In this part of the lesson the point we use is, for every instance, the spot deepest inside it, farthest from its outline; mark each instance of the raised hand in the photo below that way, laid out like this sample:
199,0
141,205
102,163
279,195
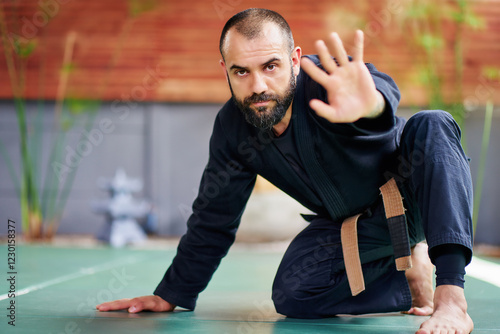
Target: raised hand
135,305
350,88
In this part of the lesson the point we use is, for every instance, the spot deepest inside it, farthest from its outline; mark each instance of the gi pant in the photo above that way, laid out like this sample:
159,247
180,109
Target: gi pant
434,178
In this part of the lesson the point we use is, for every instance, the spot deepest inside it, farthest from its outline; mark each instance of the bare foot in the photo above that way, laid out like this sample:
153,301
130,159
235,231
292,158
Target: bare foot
420,280
450,313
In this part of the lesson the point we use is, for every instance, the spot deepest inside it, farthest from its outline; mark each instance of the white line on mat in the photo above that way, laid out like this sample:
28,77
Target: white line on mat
80,273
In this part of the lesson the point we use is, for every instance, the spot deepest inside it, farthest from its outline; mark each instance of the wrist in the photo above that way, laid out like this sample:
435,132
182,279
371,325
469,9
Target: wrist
379,106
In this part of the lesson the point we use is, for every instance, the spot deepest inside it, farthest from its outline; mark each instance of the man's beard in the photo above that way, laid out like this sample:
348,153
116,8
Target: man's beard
266,117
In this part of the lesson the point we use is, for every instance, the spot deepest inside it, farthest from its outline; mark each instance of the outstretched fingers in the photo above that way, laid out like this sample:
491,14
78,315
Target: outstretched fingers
358,50
351,92
338,50
314,71
325,57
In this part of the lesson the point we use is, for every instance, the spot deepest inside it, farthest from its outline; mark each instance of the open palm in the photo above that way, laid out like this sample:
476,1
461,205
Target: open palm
350,88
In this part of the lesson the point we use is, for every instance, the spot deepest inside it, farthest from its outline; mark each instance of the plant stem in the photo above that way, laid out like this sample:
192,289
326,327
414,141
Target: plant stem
482,162
51,192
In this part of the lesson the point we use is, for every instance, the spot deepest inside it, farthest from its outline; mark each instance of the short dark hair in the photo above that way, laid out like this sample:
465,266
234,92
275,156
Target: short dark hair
250,23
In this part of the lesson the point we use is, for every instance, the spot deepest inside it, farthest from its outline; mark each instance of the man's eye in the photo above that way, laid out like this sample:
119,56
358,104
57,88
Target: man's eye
271,67
240,73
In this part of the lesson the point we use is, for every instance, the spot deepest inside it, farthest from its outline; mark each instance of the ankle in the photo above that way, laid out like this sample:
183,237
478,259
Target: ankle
450,296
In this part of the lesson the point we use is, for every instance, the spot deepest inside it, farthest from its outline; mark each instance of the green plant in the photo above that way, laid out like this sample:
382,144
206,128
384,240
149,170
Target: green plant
43,199
423,21
27,187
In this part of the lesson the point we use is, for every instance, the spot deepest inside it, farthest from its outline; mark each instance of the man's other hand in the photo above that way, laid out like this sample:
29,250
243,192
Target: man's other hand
138,304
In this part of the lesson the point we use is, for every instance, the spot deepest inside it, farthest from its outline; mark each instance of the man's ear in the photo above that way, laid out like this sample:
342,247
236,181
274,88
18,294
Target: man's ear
223,65
296,55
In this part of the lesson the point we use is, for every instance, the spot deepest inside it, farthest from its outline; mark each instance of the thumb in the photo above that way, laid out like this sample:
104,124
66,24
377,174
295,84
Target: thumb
324,110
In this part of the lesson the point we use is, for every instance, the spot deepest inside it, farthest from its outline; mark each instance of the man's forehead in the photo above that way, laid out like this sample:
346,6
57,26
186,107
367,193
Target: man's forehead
268,42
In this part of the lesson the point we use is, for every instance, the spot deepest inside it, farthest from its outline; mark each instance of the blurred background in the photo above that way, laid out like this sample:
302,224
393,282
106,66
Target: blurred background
89,87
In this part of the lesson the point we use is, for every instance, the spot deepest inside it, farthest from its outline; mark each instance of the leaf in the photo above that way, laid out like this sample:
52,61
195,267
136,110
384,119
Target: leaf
474,21
23,47
66,122
464,15
70,67
491,72
138,7
430,42
423,76
78,106
458,17
416,11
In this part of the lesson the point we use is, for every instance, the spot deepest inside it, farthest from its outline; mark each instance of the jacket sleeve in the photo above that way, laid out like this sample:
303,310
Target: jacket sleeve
224,191
390,91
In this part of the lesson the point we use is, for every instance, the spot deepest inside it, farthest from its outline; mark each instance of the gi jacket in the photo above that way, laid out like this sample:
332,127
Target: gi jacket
345,163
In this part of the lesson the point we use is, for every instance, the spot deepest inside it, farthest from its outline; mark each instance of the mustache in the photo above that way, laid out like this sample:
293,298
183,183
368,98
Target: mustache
255,98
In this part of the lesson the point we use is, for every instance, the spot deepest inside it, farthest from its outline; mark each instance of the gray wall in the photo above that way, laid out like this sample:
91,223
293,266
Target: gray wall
166,145
488,229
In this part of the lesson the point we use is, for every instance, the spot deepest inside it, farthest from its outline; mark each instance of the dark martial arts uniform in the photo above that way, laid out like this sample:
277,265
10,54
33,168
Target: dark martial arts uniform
335,170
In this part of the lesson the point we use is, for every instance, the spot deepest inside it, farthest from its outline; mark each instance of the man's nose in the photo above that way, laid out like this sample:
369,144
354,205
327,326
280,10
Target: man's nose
259,84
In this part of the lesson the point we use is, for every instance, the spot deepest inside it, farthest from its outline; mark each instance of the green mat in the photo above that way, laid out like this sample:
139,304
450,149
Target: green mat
57,290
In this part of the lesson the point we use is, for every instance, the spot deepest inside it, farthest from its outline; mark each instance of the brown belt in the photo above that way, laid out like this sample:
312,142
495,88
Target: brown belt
398,230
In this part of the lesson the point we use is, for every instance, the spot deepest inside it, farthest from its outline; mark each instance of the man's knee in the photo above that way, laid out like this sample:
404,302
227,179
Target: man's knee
435,121
288,302
280,298
431,131
291,299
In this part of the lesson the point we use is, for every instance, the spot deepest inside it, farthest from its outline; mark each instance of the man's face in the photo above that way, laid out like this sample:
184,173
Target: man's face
261,74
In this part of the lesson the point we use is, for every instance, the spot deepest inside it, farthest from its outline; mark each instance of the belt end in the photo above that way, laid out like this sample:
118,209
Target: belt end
403,263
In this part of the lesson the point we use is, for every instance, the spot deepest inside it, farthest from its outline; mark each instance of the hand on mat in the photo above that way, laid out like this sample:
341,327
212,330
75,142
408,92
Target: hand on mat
350,88
135,305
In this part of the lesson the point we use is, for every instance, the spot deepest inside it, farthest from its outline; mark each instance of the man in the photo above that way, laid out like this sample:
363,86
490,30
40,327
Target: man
328,137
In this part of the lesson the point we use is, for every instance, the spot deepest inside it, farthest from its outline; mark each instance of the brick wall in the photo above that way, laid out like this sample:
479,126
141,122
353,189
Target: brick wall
168,50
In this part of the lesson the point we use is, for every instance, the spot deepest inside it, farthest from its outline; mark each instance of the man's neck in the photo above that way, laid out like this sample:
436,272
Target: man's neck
279,128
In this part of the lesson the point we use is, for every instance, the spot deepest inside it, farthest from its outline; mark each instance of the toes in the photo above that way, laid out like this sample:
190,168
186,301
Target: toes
421,311
422,331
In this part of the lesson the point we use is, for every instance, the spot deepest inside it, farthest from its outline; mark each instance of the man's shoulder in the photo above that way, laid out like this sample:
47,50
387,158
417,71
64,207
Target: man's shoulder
314,58
317,62
229,113
231,121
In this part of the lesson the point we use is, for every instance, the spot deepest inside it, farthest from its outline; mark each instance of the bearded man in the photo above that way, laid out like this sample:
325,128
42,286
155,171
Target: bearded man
328,136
